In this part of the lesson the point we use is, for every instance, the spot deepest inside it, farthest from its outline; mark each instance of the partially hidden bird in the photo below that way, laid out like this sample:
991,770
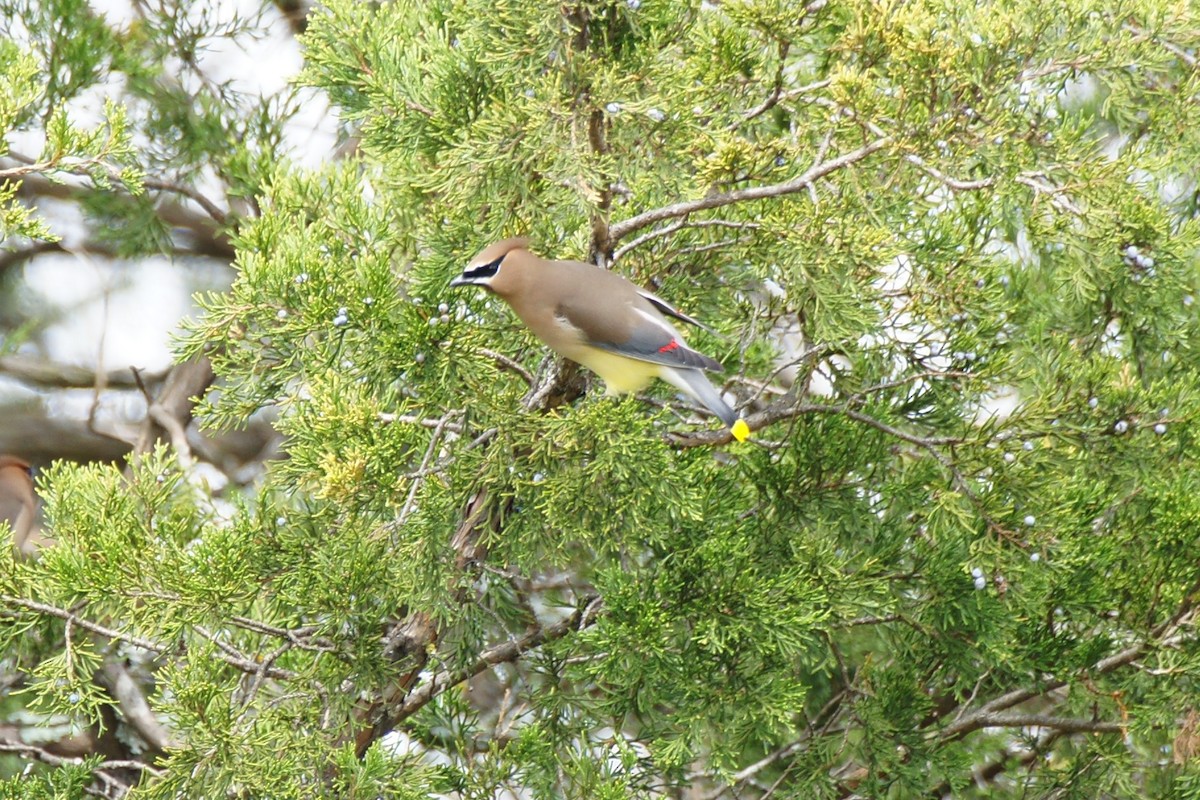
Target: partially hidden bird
599,319
18,504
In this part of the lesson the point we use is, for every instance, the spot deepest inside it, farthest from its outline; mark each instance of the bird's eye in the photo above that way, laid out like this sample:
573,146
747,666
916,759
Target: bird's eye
483,270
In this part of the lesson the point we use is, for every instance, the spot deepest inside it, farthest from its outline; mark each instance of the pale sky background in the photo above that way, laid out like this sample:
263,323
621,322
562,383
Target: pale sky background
122,312
108,314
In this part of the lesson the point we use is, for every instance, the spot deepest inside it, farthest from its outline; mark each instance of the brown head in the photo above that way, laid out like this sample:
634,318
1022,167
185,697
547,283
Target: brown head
502,267
17,501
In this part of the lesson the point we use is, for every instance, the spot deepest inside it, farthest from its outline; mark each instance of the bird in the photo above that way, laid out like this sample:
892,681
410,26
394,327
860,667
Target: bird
601,320
17,501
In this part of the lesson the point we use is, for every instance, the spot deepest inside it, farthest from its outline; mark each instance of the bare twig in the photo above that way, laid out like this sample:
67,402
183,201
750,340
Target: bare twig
648,237
261,675
86,624
624,228
300,638
1065,724
509,364
773,97
869,620
776,97
952,183
407,419
499,654
1041,185
681,224
810,355
232,656
419,476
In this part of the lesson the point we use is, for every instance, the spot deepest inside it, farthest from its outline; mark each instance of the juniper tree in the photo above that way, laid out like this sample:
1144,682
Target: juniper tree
950,256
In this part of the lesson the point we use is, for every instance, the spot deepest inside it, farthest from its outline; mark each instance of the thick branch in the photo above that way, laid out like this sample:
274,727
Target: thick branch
601,237
186,382
125,690
83,168
208,237
67,376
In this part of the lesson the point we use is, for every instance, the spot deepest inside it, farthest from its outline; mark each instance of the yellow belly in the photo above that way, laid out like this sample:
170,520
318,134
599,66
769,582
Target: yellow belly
620,374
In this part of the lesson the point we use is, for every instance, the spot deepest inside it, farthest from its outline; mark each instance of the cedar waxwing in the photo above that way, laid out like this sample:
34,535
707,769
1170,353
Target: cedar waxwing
600,320
17,502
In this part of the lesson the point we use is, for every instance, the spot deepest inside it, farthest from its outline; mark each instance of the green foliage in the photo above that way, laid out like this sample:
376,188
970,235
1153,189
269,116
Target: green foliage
67,782
961,542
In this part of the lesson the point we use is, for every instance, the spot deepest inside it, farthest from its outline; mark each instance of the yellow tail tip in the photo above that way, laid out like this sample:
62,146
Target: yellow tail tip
740,430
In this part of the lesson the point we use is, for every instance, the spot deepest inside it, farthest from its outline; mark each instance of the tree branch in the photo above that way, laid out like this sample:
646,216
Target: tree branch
772,98
1064,724
66,376
300,638
1183,55
86,624
43,755
781,411
234,658
129,696
227,654
682,223
183,386
504,653
951,183
624,228
1159,636
209,238
601,237
413,638
82,168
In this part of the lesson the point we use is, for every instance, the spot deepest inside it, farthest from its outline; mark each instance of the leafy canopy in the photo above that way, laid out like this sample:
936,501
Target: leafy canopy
951,250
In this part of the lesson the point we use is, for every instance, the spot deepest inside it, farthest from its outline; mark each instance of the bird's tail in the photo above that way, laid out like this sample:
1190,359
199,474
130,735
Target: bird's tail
695,383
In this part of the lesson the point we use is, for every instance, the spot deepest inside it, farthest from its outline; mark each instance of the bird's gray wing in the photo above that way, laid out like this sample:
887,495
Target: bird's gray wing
672,311
645,337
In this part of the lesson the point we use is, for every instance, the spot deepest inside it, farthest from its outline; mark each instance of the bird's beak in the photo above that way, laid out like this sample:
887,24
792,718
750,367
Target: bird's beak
462,280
